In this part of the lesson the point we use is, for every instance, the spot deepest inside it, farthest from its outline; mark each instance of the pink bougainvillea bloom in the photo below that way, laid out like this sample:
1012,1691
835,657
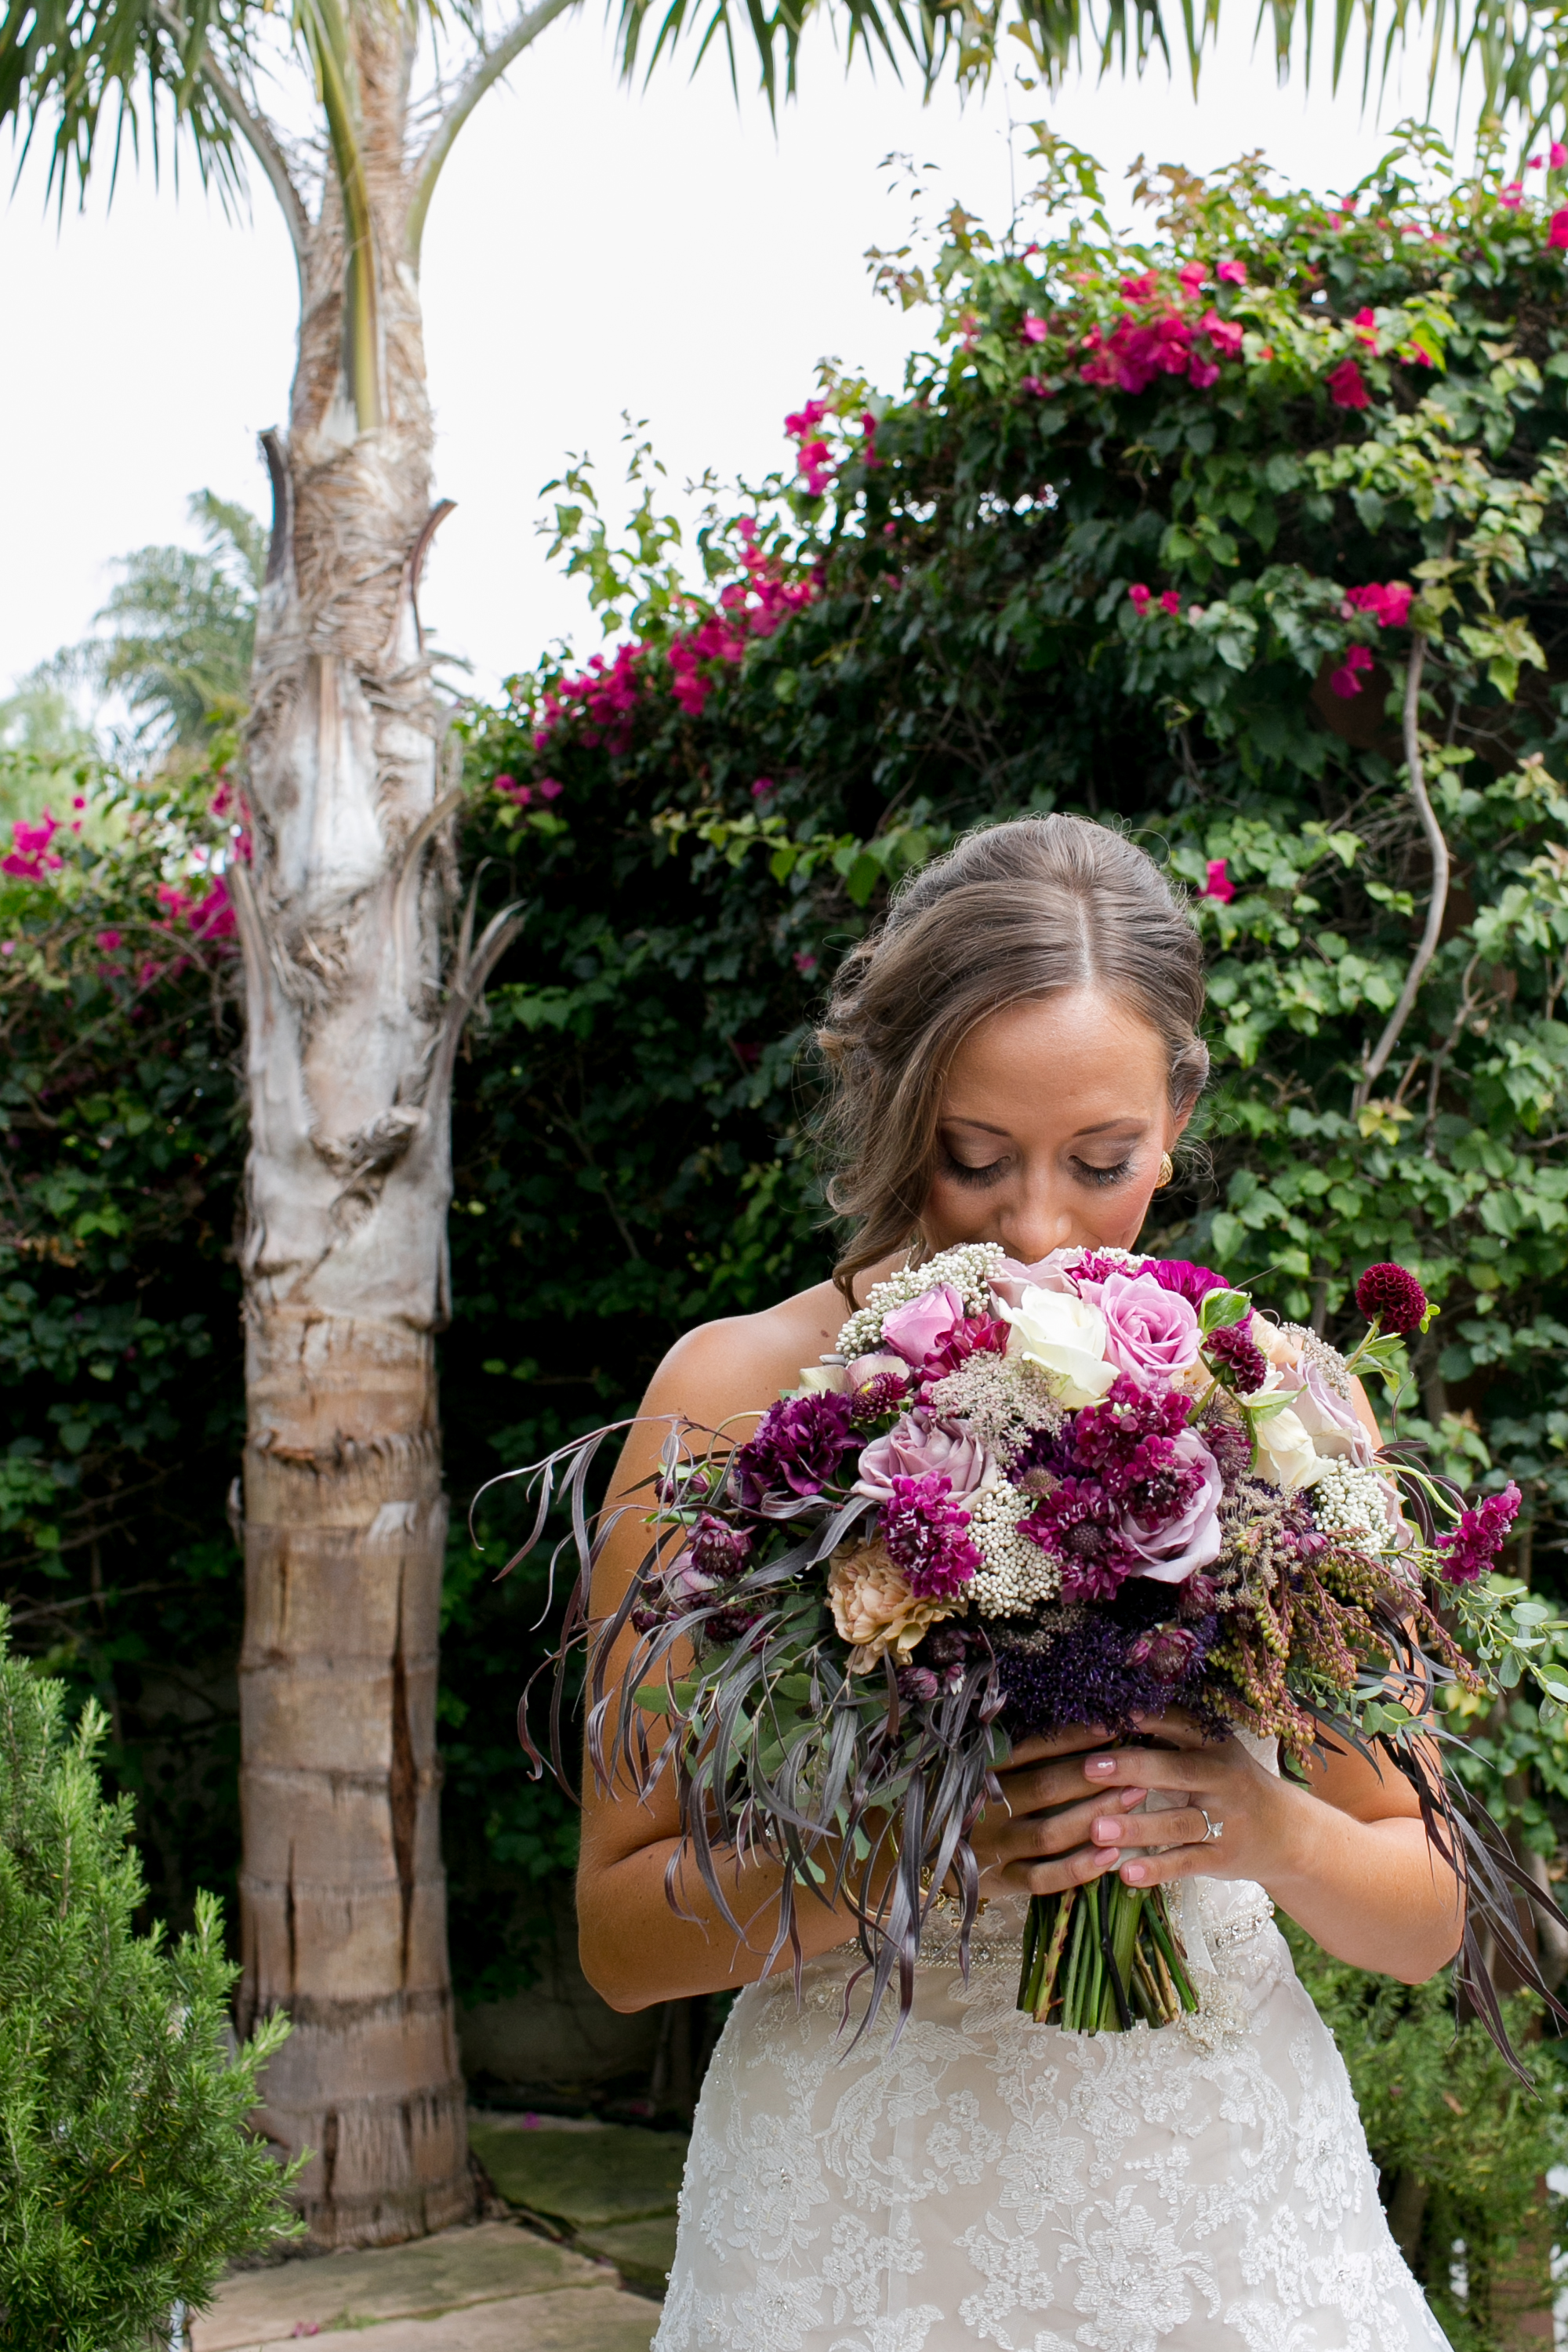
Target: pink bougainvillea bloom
1170,603
1344,680
8,947
1218,884
1415,356
1033,330
806,420
1232,273
1139,289
108,940
1389,603
1365,325
1536,162
1511,196
804,963
1203,372
762,787
1224,334
79,801
1557,155
1191,275
549,790
1038,386
1557,233
1347,385
1140,598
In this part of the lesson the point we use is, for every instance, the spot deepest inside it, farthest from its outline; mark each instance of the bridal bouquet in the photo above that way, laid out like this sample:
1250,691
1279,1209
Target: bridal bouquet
1014,1500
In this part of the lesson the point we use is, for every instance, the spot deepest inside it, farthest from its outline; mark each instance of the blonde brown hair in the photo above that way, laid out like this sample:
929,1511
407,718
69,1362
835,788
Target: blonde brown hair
1028,909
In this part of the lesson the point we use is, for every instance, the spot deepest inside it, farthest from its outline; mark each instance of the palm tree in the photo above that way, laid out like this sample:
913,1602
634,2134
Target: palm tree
181,631
353,1014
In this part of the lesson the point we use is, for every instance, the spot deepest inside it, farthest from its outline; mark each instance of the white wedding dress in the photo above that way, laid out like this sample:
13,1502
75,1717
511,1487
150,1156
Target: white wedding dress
986,2180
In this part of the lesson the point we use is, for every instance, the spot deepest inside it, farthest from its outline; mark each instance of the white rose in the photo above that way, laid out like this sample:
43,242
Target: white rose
1286,1454
1065,1336
822,1380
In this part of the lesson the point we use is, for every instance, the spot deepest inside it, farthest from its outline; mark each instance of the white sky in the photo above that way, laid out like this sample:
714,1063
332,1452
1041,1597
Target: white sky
591,249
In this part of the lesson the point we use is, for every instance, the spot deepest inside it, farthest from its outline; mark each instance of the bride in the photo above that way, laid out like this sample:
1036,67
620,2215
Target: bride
1013,1058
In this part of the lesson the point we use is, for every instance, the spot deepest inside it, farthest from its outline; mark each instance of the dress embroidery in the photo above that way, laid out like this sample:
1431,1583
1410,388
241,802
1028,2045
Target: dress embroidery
988,2181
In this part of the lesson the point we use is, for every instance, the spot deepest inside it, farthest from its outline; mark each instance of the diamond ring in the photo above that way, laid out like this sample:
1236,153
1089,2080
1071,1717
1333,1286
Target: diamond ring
1212,1830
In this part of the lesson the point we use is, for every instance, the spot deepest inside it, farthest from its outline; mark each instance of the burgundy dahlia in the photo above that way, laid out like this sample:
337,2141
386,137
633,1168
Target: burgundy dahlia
1241,1357
1390,1296
1473,1545
927,1534
796,1451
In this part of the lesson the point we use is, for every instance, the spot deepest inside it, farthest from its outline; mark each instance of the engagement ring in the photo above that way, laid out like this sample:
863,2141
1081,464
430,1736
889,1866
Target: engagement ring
1212,1830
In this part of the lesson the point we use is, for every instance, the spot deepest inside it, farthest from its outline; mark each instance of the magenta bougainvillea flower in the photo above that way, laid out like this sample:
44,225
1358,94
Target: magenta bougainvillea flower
1389,603
1345,680
1219,884
1390,1295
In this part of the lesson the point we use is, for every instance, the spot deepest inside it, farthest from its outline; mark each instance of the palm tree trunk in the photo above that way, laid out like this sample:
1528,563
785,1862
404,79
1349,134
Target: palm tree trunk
351,1032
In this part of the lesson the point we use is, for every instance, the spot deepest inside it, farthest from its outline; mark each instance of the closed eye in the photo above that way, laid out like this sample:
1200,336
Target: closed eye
961,1173
1087,1174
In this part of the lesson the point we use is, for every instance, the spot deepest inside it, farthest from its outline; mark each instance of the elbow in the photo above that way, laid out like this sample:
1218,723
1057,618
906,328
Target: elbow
610,1966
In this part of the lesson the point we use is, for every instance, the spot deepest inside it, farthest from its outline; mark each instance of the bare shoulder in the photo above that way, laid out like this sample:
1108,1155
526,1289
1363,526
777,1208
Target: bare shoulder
741,1363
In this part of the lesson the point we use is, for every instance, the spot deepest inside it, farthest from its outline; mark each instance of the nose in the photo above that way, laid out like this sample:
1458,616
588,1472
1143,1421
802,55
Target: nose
1035,1228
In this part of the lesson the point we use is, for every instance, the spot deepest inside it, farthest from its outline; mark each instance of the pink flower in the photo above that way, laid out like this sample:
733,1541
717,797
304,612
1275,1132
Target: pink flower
1171,1548
1510,197
1365,326
1038,386
1557,155
803,964
1389,605
1536,162
1414,355
1033,330
108,940
1344,681
1224,334
921,1330
549,790
806,420
1218,884
1170,603
1192,276
1232,273
1149,1332
762,789
917,1446
1140,598
1472,1548
1557,233
79,801
30,857
1139,289
812,463
1329,1420
1347,387
1203,372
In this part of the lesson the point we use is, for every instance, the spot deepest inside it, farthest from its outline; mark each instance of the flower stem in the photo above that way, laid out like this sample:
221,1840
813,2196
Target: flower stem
1100,1960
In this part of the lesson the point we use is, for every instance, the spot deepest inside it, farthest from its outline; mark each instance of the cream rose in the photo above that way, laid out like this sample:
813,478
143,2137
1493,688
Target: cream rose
1065,1337
823,1379
1286,1454
874,1609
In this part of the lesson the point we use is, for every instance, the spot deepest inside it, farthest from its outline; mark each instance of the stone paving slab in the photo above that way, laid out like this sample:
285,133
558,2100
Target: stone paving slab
596,2319
494,2264
641,2251
584,2179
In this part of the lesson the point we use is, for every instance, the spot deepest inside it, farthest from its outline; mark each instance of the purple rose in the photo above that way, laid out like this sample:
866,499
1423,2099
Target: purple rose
796,1451
1329,1420
916,1445
921,1328
1189,1538
1149,1331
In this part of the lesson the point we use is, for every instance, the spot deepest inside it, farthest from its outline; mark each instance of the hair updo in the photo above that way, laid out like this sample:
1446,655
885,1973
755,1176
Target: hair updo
1028,909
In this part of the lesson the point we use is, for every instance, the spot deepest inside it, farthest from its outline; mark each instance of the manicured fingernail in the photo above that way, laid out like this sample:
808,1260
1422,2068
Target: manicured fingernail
1101,1768
1131,1797
1106,1833
1135,1872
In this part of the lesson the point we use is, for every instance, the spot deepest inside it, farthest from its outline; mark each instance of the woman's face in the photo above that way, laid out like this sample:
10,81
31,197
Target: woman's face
1054,1121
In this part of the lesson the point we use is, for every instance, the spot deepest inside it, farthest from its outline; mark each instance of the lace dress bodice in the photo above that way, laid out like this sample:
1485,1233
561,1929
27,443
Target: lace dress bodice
986,2180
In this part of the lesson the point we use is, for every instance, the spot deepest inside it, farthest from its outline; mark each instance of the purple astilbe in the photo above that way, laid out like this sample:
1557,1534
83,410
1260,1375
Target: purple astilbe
796,1453
925,1532
1240,1356
1087,1674
1472,1548
1390,1296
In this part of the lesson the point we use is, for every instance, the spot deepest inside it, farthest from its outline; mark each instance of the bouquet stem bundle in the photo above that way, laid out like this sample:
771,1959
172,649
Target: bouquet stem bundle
1101,1958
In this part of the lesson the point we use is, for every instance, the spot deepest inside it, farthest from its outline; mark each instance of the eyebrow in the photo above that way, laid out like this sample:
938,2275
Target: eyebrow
1103,1128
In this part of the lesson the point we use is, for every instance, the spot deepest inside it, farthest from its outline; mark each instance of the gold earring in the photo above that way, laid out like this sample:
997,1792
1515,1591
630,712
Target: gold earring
1167,1171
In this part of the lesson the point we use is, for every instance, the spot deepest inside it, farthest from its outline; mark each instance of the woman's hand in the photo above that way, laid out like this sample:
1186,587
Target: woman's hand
1213,1811
1039,1838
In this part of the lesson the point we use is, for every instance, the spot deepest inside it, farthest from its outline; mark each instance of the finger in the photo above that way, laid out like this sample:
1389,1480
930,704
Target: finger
1079,1869
1155,1767
1040,1787
1177,1726
1070,1741
1179,1828
1160,1869
1055,1832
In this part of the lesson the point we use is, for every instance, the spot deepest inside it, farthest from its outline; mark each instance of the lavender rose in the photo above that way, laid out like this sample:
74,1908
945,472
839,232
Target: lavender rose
1149,1331
916,1444
1190,1538
1330,1421
919,1330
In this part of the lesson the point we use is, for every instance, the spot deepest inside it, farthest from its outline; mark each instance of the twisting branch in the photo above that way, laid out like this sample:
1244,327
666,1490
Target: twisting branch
487,67
256,132
1377,1060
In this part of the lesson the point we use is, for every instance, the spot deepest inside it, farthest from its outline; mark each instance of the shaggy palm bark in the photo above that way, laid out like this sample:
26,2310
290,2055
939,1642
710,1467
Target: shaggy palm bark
351,1032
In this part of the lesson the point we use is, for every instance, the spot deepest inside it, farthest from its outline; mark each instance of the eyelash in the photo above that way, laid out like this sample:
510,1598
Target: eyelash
961,1173
1088,1174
